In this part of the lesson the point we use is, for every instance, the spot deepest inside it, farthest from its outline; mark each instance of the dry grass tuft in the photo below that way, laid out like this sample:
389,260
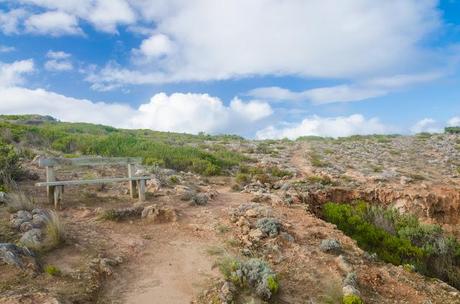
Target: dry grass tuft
19,201
55,230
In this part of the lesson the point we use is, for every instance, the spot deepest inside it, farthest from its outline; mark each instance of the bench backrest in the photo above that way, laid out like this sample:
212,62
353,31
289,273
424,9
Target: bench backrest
88,161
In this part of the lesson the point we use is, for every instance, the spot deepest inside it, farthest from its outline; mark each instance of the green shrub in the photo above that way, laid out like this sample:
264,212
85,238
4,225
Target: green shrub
10,168
254,274
399,239
52,270
352,299
452,130
242,178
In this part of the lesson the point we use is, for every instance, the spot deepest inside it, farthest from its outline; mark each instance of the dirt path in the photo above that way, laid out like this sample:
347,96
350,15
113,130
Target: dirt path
174,266
299,160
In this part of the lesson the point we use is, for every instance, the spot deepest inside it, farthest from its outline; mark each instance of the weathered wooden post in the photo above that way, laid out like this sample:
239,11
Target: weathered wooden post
132,183
50,177
58,190
142,190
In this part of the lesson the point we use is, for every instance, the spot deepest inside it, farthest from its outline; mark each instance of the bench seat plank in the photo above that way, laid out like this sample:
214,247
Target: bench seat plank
92,181
88,161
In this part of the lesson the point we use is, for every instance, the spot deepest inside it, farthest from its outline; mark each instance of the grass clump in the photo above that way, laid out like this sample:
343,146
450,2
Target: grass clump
253,274
52,270
352,299
399,239
19,201
55,230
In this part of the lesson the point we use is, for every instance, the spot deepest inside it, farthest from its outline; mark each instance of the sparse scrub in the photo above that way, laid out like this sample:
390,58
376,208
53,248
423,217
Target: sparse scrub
199,199
254,274
399,239
19,201
270,226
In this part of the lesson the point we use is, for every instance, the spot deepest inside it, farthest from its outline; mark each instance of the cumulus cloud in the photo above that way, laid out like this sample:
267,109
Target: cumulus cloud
190,113
17,100
58,61
104,15
227,39
325,126
193,113
425,125
346,93
12,73
53,23
154,47
10,21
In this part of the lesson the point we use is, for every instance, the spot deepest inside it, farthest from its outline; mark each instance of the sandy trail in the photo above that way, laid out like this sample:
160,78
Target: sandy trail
174,266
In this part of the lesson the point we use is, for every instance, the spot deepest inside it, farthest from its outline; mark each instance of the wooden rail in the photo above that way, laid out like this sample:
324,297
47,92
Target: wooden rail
55,189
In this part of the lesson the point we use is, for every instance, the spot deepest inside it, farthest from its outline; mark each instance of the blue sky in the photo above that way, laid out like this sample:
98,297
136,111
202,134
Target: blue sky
262,68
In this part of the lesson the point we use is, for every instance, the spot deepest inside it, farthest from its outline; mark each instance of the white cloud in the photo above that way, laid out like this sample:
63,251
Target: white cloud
12,73
454,122
191,113
58,61
16,100
6,49
346,93
325,126
331,39
155,46
104,15
53,23
425,125
9,21
252,111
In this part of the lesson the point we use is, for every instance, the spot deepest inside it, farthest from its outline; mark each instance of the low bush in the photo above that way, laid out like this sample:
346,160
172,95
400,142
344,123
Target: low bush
270,226
254,274
10,168
352,299
399,239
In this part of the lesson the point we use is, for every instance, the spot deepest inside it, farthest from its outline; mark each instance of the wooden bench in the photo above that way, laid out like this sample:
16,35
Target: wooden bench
55,188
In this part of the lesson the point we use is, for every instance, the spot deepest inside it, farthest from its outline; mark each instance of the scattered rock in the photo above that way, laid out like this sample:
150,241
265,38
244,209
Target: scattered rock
32,238
158,214
331,245
15,255
227,292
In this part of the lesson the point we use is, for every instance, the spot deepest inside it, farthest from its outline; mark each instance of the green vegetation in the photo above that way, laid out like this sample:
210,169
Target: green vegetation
55,230
399,239
171,150
52,270
10,168
352,299
452,130
254,274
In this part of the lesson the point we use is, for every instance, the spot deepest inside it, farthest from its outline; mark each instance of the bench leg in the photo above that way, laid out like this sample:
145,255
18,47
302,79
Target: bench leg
51,190
142,190
132,184
58,190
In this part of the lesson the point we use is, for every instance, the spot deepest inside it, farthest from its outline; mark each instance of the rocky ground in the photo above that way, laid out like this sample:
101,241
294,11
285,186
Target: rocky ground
170,248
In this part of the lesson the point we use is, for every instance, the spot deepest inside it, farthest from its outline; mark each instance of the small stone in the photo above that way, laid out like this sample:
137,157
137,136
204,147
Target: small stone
350,290
227,293
256,234
251,213
32,238
331,245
